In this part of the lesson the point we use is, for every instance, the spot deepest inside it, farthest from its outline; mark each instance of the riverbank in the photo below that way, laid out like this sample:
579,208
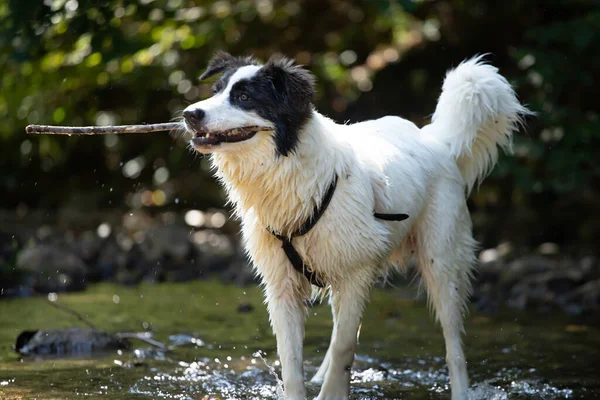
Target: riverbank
67,251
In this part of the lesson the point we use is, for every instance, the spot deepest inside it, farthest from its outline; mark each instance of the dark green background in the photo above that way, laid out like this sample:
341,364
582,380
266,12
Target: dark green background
87,62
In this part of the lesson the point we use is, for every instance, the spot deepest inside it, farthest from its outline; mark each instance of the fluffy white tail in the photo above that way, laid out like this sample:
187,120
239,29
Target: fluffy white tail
476,113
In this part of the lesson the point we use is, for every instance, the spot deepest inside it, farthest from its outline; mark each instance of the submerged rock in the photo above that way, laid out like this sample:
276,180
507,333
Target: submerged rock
182,339
69,342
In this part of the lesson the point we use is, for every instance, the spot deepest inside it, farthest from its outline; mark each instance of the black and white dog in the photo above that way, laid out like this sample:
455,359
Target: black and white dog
298,179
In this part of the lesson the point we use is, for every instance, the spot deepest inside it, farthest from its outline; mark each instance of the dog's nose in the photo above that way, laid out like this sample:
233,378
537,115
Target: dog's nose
194,115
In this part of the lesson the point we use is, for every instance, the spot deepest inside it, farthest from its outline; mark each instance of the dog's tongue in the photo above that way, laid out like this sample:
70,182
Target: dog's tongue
207,140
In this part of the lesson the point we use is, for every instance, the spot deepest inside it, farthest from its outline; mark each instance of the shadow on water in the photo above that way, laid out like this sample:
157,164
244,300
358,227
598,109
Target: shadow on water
222,348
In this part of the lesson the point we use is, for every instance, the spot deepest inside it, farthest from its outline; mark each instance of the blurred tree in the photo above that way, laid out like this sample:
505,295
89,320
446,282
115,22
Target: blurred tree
116,61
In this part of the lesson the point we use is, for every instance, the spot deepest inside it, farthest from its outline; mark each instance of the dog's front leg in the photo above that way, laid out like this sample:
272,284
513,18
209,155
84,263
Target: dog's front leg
287,310
348,301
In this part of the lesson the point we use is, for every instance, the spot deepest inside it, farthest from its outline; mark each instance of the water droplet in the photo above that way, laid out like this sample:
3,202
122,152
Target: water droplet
103,230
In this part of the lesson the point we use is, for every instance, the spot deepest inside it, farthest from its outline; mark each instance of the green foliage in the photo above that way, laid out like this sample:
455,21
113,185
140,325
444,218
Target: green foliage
73,62
560,59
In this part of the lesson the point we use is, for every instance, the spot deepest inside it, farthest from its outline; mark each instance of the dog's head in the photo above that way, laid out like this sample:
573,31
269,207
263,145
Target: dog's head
250,103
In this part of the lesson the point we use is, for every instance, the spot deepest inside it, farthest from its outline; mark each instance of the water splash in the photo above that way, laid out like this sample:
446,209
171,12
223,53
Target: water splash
481,391
256,378
531,389
271,369
542,390
213,379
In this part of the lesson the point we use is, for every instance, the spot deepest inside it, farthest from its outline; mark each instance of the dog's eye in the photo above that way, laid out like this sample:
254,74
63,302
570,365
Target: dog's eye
244,97
215,90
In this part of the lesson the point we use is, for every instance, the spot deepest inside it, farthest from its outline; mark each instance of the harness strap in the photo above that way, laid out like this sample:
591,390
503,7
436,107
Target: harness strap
289,249
298,263
390,217
318,211
292,254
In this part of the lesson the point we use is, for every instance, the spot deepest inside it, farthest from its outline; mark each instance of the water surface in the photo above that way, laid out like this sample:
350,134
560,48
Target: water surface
512,355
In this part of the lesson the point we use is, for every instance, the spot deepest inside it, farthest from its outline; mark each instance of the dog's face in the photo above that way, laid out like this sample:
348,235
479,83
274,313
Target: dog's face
251,102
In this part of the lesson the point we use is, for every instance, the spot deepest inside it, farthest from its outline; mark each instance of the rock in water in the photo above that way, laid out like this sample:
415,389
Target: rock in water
69,342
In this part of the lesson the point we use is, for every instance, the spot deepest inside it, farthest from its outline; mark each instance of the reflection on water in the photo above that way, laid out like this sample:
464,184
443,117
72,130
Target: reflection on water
220,353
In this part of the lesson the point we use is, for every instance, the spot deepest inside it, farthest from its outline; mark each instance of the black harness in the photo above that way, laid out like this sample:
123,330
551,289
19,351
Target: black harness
291,252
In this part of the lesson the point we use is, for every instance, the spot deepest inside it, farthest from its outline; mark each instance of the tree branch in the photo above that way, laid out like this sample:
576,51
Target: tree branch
72,312
101,130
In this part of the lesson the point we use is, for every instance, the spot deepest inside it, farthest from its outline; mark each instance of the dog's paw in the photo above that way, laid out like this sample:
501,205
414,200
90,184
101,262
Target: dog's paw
328,394
327,397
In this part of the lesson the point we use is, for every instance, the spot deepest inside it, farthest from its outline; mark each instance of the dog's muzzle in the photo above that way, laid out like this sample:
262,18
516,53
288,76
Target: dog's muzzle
193,119
203,137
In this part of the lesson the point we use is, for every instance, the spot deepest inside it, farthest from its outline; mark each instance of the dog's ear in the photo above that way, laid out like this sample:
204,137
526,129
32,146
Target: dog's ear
222,61
294,84
294,89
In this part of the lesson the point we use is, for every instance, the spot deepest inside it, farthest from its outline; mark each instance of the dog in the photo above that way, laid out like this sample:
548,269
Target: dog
312,196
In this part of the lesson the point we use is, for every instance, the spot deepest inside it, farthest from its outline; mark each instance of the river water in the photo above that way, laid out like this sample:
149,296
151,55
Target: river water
222,348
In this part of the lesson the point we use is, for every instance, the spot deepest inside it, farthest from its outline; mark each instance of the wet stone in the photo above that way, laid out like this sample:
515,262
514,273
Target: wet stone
525,266
182,339
170,241
52,269
70,342
245,308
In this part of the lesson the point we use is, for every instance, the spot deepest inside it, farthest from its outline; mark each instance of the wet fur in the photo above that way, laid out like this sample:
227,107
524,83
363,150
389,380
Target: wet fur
389,165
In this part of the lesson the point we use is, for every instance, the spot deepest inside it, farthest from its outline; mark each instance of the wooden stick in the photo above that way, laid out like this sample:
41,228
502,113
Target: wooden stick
100,130
72,312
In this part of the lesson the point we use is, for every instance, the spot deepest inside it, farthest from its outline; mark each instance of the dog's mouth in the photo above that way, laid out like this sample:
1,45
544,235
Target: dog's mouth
202,137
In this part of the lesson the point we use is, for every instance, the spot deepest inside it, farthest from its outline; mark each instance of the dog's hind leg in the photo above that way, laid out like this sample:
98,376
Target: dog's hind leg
348,301
319,376
446,256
